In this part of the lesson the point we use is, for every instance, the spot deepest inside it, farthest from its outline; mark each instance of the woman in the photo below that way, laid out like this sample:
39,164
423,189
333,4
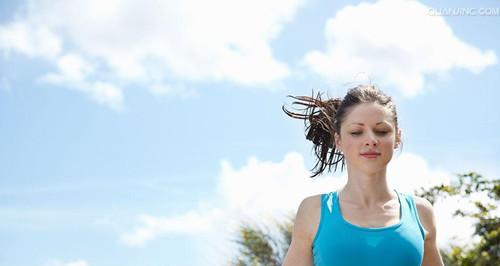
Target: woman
366,222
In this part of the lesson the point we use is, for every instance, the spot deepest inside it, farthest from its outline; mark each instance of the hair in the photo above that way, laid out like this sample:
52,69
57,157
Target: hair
323,118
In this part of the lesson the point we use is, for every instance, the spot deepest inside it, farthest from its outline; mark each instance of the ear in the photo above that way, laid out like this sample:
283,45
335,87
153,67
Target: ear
398,139
338,142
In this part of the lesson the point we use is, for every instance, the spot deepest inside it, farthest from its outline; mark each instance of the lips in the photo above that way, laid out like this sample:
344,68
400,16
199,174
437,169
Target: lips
370,154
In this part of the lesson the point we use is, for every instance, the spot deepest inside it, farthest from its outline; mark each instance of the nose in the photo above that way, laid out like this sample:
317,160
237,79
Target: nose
371,140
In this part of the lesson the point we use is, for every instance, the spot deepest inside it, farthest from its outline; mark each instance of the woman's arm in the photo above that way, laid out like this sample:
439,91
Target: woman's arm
432,257
300,250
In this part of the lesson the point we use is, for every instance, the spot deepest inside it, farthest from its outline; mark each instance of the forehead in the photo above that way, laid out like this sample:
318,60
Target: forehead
368,114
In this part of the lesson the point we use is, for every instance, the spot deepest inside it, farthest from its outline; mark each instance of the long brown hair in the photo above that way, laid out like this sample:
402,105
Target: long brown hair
323,118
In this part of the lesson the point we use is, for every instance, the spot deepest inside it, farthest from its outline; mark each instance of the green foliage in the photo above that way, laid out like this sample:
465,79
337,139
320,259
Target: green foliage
487,226
259,248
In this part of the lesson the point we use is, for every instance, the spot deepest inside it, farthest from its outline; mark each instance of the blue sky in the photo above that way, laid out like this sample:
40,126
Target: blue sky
139,133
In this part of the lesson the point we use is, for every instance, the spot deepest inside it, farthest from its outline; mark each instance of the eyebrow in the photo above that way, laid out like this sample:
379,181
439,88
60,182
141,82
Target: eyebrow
361,124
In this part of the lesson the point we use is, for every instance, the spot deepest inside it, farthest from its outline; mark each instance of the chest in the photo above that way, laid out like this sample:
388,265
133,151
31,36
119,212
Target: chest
379,216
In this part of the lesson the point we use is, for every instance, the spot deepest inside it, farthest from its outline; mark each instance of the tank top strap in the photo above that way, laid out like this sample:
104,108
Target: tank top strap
413,216
403,207
329,203
330,210
335,204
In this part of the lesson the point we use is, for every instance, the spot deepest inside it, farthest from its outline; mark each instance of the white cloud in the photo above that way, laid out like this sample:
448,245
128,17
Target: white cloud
107,94
263,191
238,189
29,39
74,67
396,43
408,171
192,222
74,72
157,42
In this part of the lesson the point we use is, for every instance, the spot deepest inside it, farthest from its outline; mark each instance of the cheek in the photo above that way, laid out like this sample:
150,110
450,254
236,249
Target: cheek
349,145
387,146
387,141
391,138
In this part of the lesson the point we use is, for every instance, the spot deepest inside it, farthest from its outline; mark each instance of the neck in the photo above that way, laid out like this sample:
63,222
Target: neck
367,189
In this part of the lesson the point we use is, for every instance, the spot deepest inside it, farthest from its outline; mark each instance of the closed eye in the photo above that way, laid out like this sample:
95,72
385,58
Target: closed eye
378,132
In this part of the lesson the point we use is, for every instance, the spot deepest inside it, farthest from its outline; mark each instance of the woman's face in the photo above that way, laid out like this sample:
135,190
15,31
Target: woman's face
368,128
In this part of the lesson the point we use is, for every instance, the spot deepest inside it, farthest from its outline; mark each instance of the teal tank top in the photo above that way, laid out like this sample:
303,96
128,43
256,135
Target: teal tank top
340,243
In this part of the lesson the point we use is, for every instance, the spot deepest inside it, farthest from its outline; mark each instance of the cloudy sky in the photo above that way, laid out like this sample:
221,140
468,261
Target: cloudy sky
144,132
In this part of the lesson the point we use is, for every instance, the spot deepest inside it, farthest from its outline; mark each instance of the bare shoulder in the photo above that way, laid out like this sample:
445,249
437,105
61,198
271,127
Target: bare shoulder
300,249
425,210
308,215
426,215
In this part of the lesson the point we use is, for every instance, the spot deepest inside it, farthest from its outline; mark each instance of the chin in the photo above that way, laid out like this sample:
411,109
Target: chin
373,170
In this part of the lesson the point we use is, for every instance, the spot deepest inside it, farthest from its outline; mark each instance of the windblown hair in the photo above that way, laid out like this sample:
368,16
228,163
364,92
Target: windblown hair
323,118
